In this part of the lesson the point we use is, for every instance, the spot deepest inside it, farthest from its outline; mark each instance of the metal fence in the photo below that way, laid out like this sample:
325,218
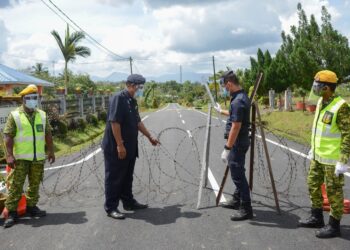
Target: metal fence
72,106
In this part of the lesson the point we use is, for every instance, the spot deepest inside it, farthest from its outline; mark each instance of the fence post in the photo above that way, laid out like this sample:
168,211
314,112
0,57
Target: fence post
93,104
288,99
63,104
103,102
272,98
81,105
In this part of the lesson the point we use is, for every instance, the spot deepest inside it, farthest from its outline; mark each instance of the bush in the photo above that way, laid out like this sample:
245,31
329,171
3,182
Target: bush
102,115
73,124
60,128
92,119
264,100
155,103
81,124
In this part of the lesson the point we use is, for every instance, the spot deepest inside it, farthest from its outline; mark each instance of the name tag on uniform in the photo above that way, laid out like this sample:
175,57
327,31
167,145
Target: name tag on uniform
39,128
327,118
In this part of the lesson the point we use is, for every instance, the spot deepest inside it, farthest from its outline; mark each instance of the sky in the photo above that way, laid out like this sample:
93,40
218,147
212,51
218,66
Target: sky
160,35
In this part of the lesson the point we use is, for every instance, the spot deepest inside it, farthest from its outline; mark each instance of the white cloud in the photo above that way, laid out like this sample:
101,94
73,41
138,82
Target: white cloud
168,33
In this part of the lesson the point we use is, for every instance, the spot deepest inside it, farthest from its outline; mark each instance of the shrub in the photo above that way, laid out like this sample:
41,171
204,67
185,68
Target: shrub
73,124
155,103
92,119
81,124
60,128
102,115
264,100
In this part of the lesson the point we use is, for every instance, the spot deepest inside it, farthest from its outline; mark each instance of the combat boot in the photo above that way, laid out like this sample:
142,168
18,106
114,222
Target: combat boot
314,221
36,212
233,203
331,230
245,212
11,219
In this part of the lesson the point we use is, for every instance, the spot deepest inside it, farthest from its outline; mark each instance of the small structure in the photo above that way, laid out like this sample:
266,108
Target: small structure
9,79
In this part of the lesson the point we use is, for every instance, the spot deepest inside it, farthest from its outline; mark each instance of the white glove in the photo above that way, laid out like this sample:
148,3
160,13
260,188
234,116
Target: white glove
224,156
340,168
218,108
310,155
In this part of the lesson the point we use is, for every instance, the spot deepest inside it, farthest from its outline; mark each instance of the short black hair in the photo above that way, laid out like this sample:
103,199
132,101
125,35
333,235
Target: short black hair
230,76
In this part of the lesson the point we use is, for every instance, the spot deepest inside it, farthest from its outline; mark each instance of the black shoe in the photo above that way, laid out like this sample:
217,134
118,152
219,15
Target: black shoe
36,212
233,203
314,221
11,220
134,206
115,214
245,212
331,230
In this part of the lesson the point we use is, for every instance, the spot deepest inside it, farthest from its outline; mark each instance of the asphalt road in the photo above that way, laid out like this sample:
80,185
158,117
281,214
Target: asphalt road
167,178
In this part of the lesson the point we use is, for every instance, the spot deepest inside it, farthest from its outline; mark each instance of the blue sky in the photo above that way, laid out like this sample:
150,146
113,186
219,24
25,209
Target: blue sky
160,34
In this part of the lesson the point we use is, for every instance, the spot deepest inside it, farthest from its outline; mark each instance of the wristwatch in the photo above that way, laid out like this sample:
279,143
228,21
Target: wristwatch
227,148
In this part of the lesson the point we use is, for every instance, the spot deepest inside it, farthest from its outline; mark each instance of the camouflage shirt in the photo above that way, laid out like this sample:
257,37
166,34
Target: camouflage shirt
11,128
343,122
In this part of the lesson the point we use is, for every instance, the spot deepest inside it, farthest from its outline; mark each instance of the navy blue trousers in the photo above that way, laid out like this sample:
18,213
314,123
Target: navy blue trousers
118,181
236,162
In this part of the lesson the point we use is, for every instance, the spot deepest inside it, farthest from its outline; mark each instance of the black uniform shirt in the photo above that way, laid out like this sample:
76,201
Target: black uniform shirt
123,109
240,112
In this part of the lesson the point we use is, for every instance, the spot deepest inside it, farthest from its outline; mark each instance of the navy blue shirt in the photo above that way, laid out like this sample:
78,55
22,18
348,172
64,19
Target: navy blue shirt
240,112
123,109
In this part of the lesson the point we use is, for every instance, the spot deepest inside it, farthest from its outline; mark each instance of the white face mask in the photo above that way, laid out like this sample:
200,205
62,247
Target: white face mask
139,93
31,104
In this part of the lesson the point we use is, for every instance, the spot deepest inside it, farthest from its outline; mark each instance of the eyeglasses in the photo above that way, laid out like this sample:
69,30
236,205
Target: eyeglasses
223,79
139,86
31,97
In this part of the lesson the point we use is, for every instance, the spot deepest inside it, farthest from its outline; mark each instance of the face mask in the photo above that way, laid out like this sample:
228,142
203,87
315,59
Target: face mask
318,88
139,93
31,104
225,93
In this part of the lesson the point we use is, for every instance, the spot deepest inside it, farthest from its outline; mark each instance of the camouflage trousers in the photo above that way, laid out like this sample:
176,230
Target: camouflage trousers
321,173
16,178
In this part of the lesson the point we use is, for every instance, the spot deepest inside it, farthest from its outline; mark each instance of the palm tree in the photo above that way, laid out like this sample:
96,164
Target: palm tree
39,69
70,49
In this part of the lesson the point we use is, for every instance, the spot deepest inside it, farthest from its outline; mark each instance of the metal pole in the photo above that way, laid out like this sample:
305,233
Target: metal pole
130,59
204,170
216,91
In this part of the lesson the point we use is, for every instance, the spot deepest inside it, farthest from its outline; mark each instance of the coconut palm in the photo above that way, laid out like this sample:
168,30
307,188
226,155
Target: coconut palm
39,69
70,48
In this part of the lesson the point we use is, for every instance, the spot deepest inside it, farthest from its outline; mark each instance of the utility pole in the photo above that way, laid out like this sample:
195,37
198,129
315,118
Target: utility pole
130,59
216,91
53,68
180,74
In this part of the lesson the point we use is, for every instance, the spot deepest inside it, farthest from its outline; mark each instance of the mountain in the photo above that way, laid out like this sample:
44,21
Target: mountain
186,76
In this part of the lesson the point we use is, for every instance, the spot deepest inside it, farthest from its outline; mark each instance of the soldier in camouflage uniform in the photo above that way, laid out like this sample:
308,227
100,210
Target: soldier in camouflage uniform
329,155
27,133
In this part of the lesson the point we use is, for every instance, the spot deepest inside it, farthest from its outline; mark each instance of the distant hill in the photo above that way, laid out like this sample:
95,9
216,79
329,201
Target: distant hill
186,76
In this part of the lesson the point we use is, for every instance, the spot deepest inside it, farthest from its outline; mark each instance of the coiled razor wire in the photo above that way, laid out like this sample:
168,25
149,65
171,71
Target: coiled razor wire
168,173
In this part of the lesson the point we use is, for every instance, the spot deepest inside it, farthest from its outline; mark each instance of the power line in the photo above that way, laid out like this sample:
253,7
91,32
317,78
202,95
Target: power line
90,38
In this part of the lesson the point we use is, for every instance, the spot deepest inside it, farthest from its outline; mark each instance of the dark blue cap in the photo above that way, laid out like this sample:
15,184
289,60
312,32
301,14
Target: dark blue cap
136,79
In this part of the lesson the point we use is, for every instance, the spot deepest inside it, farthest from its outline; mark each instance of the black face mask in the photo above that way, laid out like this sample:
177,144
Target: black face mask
319,88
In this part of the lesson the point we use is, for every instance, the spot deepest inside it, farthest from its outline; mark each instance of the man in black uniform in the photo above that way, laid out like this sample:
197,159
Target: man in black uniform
237,135
120,147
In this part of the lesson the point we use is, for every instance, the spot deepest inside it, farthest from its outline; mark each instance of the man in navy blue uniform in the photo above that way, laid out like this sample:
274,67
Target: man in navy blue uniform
120,147
237,144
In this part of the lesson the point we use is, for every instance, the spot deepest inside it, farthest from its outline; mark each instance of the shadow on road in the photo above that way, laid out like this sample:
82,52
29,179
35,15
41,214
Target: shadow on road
272,219
345,232
55,219
162,216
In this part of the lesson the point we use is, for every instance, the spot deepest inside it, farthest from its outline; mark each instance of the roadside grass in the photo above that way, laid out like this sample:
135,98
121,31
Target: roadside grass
295,126
76,140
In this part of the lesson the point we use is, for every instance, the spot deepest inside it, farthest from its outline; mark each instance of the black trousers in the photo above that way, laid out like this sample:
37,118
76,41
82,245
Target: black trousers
236,162
118,181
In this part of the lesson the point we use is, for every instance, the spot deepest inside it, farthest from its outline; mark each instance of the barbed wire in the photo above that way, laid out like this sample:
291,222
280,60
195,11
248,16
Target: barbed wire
169,173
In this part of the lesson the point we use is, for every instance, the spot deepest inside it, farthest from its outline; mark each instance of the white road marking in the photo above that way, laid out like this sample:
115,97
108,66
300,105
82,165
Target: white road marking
215,185
180,115
183,121
279,145
189,133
